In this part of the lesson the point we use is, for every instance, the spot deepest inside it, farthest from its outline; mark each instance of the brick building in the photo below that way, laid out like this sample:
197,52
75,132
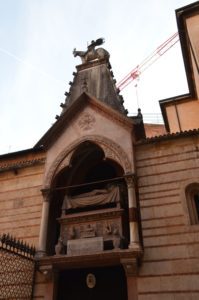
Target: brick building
113,213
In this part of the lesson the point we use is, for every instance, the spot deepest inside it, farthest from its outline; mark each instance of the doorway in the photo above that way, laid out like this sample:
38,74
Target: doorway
93,284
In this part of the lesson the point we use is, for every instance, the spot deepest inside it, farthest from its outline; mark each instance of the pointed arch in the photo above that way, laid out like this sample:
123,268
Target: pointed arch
111,151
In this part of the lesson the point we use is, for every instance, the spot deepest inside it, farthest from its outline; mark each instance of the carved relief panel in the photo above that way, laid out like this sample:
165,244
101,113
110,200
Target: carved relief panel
105,226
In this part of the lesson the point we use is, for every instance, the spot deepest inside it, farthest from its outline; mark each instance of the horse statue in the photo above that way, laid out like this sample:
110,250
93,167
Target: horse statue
92,53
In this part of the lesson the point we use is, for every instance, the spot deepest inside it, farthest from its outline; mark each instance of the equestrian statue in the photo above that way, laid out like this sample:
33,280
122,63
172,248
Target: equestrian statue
92,54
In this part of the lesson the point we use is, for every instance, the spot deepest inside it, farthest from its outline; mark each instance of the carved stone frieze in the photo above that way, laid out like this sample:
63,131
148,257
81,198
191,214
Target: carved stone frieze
94,229
105,224
94,216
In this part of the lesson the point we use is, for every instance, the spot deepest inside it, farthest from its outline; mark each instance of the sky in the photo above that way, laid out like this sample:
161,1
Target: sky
37,38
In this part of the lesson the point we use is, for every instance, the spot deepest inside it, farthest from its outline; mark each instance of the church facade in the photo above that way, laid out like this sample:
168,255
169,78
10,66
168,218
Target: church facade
113,214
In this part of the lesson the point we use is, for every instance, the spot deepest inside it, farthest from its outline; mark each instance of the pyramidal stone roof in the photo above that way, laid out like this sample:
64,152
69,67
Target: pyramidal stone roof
92,83
95,77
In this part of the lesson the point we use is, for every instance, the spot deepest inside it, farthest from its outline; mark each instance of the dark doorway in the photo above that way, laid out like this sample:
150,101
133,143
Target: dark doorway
109,283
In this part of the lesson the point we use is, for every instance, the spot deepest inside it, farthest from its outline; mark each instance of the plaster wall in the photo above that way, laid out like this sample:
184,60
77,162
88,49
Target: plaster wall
188,110
193,30
183,116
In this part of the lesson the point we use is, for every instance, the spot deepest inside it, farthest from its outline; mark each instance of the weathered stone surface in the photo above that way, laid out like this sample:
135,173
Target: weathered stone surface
85,246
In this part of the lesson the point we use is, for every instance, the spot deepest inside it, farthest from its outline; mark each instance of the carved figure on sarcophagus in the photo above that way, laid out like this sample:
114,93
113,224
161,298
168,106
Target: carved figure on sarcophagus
97,197
99,226
59,247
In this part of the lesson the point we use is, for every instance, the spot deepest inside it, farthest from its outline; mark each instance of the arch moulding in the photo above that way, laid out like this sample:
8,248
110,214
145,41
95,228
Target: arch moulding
183,196
111,151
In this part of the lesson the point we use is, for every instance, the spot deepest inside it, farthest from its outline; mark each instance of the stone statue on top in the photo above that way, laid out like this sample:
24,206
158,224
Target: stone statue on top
92,54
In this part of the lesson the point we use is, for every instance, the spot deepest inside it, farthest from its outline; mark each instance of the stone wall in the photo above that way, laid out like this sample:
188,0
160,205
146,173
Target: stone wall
170,266
20,196
21,179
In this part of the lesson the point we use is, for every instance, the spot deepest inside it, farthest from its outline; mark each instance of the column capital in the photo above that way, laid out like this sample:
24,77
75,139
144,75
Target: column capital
131,179
46,194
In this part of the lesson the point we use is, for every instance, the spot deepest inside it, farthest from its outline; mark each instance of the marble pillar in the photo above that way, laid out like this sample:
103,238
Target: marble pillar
44,223
133,213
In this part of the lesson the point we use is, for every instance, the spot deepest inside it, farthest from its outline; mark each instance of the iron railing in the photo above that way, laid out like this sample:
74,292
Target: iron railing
17,268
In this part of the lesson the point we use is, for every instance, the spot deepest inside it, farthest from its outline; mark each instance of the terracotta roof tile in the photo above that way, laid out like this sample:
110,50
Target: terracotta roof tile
170,136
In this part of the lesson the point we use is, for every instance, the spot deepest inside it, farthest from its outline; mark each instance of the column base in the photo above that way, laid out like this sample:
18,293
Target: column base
135,246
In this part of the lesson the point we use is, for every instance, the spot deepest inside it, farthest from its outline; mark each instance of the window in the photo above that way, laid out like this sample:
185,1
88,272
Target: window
192,196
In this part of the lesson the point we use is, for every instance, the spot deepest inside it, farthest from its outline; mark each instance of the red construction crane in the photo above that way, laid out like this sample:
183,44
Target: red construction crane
147,62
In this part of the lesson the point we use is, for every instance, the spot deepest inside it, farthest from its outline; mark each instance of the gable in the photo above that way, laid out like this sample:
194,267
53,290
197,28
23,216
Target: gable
92,121
77,108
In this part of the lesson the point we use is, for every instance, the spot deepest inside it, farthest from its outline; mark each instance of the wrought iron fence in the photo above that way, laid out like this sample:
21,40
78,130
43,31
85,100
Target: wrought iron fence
17,268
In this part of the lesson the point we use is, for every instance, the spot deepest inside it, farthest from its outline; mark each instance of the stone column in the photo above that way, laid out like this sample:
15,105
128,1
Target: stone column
44,223
133,213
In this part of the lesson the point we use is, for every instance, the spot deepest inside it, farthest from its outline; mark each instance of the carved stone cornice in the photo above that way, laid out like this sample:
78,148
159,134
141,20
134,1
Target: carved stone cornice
21,164
91,64
111,114
92,216
105,258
